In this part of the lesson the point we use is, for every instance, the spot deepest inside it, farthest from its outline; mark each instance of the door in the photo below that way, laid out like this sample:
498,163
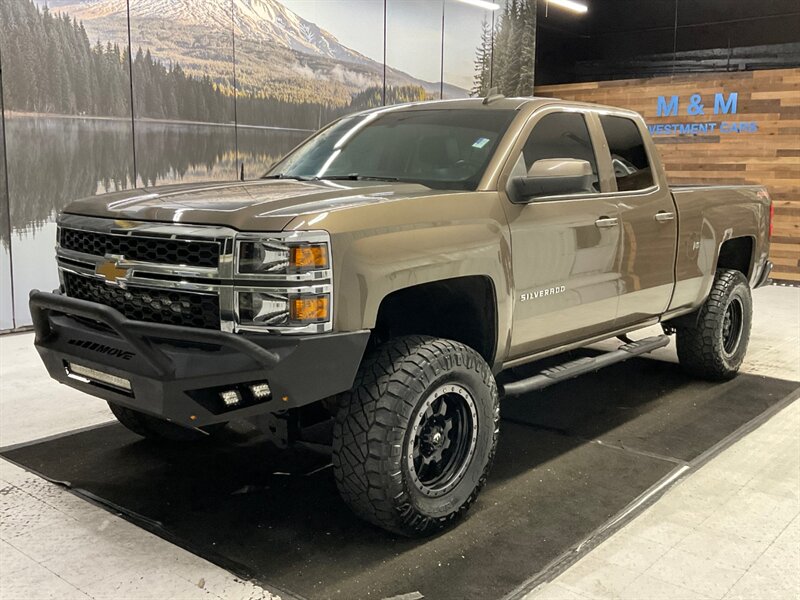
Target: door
565,248
649,223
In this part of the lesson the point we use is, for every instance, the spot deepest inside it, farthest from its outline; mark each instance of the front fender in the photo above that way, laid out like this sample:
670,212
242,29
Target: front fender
382,263
384,248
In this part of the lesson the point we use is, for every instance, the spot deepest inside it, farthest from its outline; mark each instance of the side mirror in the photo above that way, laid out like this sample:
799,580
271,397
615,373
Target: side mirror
552,177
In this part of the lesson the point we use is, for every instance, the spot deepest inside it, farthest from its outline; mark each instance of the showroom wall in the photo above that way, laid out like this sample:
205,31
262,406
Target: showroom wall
631,39
212,89
737,128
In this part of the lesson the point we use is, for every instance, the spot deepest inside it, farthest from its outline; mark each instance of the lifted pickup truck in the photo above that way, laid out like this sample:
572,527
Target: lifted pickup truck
381,276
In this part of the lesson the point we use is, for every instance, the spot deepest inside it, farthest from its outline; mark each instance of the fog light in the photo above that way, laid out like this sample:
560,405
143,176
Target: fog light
230,397
260,390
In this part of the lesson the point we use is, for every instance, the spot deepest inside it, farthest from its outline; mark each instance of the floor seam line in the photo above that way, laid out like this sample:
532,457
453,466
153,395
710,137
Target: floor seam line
45,567
636,452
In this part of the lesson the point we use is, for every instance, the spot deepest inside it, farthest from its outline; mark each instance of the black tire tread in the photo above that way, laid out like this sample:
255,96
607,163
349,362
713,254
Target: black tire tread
698,347
370,415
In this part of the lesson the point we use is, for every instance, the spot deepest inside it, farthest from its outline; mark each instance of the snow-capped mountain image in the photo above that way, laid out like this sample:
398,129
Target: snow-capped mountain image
277,51
266,21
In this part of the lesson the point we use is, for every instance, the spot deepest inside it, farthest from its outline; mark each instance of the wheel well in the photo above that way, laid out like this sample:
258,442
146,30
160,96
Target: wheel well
736,254
461,309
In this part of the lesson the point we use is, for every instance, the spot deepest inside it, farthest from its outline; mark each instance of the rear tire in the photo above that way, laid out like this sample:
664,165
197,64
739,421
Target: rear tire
415,438
714,347
158,429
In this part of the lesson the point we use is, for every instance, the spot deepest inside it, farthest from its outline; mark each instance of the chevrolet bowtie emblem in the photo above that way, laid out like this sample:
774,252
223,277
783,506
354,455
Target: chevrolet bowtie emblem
112,272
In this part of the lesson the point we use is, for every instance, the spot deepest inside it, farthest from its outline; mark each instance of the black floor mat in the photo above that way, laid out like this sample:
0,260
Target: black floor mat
276,517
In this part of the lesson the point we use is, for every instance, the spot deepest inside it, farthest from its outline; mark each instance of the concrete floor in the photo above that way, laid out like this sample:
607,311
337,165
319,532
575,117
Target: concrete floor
731,530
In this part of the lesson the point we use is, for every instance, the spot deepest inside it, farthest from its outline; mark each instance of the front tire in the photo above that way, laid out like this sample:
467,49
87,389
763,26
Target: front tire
415,438
715,345
158,429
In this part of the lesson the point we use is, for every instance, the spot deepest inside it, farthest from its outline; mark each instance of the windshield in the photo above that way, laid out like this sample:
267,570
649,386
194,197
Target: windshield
439,148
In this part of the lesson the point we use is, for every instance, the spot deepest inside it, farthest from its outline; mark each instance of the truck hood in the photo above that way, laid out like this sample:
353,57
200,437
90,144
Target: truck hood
263,205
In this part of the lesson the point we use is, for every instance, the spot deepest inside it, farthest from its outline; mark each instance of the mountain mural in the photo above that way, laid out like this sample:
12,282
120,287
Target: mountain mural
279,54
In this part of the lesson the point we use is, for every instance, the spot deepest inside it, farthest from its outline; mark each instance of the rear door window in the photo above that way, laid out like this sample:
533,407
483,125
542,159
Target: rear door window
628,155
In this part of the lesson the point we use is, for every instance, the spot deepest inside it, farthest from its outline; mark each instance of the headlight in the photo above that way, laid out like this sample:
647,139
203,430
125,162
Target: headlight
282,310
283,282
278,256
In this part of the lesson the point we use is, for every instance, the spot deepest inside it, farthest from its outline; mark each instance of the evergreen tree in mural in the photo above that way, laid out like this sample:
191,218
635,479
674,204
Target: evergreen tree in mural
511,68
527,47
50,66
483,62
373,96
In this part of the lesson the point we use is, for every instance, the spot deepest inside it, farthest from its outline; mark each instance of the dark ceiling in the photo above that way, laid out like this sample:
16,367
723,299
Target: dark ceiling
631,38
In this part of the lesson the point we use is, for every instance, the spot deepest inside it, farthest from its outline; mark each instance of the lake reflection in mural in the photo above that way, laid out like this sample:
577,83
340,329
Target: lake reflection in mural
54,160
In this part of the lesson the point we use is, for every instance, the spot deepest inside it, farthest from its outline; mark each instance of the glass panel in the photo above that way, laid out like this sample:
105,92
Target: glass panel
68,130
183,91
467,49
413,50
628,154
300,65
513,51
735,36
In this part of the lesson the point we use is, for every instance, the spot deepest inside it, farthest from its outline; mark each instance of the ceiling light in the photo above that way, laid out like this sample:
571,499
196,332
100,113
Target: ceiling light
482,4
568,4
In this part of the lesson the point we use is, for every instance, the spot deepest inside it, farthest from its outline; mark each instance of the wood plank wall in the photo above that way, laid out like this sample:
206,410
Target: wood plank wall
770,156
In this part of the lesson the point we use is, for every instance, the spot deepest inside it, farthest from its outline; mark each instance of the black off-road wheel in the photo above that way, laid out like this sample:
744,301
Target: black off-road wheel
154,428
414,439
714,347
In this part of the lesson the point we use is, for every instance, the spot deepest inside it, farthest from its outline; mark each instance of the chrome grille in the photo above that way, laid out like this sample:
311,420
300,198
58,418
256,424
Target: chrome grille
145,249
141,269
171,307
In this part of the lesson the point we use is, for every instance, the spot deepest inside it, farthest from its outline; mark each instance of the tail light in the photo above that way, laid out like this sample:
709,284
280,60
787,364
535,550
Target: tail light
771,218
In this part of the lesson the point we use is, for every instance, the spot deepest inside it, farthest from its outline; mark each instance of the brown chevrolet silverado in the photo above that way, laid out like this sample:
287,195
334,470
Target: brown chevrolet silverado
379,278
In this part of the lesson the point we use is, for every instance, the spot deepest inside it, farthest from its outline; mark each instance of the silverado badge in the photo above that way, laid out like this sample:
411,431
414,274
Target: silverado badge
535,294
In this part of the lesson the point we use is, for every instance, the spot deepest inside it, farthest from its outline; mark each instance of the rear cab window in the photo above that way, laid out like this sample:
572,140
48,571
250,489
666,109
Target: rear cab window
629,159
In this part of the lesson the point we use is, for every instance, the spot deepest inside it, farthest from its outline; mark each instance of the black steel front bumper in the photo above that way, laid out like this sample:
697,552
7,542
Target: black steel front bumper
177,373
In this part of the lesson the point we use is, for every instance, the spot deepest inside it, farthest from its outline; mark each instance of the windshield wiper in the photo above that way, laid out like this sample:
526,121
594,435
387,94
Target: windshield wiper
355,177
284,176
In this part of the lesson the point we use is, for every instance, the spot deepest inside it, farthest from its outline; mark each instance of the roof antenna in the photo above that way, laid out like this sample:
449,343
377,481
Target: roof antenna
494,94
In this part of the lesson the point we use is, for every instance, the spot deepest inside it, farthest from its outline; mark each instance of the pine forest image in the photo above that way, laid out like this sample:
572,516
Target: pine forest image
51,66
507,61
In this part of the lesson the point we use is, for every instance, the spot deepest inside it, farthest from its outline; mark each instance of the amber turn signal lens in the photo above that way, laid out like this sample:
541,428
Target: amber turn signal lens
312,256
309,309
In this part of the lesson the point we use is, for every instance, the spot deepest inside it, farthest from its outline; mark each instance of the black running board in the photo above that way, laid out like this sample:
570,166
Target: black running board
582,366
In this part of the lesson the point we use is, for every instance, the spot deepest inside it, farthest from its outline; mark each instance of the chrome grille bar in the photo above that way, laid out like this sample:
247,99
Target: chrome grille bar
220,280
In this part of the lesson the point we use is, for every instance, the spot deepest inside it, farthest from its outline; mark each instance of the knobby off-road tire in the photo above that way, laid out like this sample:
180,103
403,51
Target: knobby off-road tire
419,406
159,429
715,346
